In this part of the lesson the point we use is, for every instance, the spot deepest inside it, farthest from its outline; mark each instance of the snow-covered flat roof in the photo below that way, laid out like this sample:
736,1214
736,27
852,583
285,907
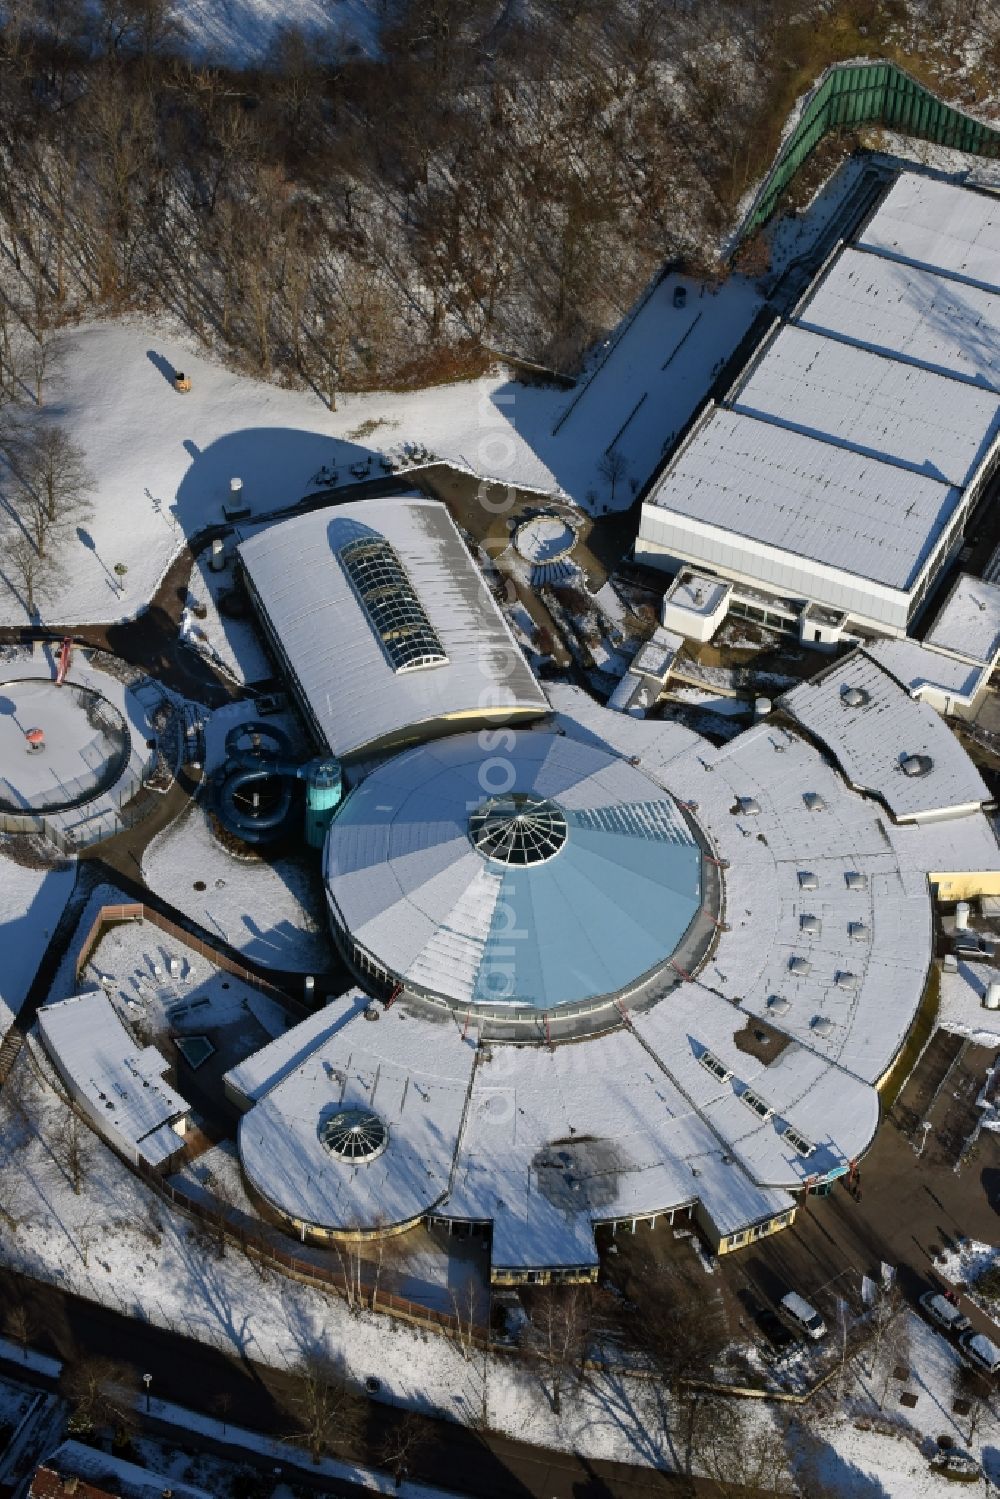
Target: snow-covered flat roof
909,313
656,657
918,668
414,1078
872,404
941,225
700,594
341,655
806,497
258,1073
969,622
120,1083
886,741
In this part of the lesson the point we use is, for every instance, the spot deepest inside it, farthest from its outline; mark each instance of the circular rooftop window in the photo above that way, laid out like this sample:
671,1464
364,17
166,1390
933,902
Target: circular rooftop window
916,765
354,1135
854,697
518,829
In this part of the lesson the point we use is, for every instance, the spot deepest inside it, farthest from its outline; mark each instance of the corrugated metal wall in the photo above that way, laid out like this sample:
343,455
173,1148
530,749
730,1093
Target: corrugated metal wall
852,94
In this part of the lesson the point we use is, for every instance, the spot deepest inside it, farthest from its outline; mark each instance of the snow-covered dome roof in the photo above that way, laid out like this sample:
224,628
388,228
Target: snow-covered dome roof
544,873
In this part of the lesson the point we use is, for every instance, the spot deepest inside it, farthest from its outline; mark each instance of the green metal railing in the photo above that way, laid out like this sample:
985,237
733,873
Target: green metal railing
869,93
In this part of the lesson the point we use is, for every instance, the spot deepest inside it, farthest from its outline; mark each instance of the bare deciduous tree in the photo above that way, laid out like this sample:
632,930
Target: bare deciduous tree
557,1337
327,1412
20,1325
400,1446
102,1393
71,1144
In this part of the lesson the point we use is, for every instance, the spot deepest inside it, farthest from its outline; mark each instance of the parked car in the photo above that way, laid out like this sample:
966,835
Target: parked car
680,296
803,1316
981,1351
944,1312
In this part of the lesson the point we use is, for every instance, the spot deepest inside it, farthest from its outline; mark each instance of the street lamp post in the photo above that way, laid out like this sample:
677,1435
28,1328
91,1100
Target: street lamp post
147,1380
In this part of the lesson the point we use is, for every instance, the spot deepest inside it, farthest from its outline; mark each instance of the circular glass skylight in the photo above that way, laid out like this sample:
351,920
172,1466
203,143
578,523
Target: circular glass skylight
518,829
354,1135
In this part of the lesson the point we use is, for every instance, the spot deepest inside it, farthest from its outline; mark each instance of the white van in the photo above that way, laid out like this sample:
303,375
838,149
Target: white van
944,1312
981,1351
805,1317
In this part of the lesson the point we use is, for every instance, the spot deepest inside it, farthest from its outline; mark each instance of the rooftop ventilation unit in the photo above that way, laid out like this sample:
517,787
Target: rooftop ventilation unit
856,881
718,1069
755,1103
811,925
916,765
846,979
808,881
857,931
821,1025
854,697
799,966
777,1004
798,1142
814,802
748,805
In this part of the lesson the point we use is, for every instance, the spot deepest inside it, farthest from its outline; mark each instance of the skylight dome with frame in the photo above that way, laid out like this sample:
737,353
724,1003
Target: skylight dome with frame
395,612
354,1135
518,829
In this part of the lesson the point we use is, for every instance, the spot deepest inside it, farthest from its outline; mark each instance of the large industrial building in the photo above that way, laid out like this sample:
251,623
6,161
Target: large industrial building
834,484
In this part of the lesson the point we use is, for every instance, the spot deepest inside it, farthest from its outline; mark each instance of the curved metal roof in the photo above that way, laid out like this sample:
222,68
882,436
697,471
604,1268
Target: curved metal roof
453,913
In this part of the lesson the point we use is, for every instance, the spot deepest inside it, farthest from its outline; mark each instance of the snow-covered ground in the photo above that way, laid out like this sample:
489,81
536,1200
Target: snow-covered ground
239,32
164,460
117,1243
31,903
271,911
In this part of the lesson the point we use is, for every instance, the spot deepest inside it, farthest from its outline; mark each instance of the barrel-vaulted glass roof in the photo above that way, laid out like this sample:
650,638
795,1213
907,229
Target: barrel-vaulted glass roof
543,874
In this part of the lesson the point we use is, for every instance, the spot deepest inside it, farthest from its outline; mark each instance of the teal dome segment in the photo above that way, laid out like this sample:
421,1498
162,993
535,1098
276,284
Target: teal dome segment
550,874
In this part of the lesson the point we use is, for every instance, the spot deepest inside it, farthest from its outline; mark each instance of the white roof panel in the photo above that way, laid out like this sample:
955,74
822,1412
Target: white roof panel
807,498
122,1083
969,621
872,738
916,667
909,313
927,222
343,672
871,404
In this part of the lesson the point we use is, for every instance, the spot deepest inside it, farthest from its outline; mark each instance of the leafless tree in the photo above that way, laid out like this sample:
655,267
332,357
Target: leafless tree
222,1404
667,1312
102,1392
974,1388
890,1337
739,1451
557,1337
20,1326
401,1444
53,486
327,1412
71,1145
612,467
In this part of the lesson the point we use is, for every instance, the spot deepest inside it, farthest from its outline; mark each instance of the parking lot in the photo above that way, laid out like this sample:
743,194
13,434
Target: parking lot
920,1192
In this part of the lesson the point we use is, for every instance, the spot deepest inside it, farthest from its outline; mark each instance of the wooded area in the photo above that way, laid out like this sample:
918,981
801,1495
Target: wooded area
503,176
